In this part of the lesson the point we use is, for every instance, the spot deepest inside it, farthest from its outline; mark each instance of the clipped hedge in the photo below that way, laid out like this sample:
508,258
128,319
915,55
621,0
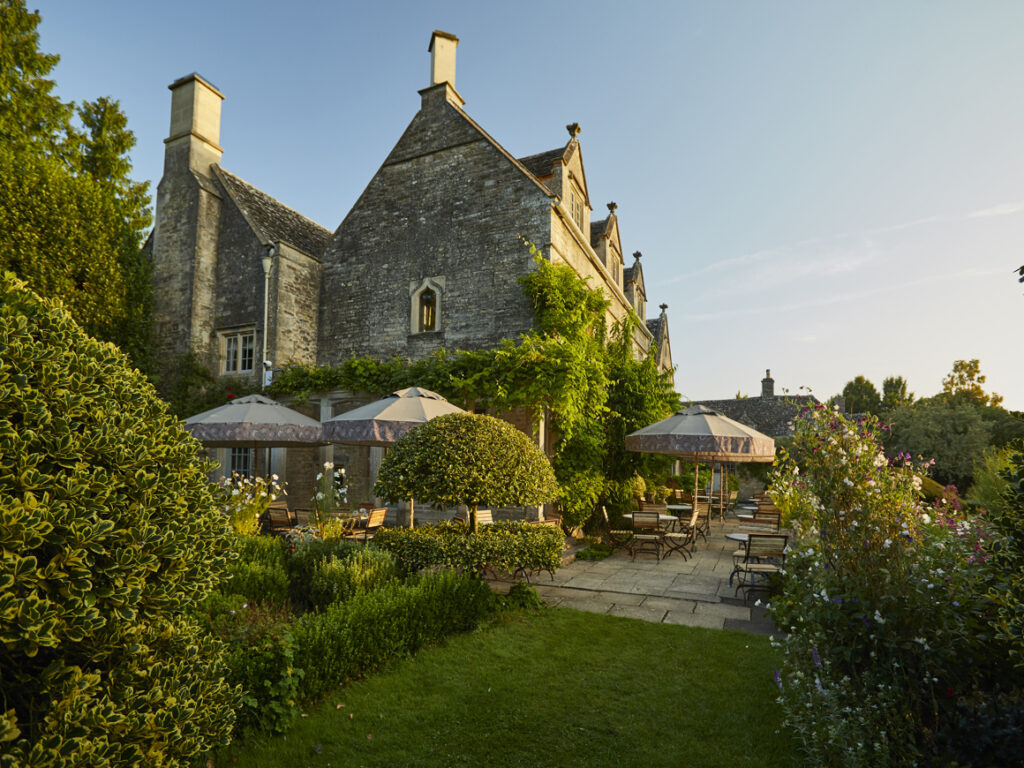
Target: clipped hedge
504,546
352,638
342,578
109,540
260,573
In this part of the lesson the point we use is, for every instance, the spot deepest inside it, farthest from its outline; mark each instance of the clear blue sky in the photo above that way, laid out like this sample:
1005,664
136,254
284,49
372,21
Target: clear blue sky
825,190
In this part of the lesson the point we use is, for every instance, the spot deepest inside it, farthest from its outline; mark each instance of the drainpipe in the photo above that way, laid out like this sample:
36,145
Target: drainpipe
268,261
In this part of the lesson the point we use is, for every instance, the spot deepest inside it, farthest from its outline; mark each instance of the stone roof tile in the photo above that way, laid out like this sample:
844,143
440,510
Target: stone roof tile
540,165
274,221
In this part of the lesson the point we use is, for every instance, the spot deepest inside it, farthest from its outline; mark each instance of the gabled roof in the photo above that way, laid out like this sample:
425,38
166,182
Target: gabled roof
273,221
654,326
772,416
540,164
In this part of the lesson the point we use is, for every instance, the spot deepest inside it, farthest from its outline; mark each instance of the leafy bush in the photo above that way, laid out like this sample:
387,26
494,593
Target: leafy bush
504,546
341,578
258,583
260,659
303,560
889,641
352,638
110,540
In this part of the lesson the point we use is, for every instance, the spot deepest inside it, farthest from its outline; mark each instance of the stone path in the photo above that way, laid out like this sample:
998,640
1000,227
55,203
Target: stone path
693,592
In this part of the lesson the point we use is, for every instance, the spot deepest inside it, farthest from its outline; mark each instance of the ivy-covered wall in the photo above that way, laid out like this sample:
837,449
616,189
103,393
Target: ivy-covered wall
571,369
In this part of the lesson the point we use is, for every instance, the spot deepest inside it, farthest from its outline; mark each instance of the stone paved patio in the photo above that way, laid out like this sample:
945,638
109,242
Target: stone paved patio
693,592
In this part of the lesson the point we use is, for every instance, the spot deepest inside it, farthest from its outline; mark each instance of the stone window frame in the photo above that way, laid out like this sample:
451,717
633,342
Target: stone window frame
232,349
436,285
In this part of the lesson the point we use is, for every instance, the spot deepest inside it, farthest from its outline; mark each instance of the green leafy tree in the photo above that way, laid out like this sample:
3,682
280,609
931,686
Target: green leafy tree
963,385
470,459
894,393
71,219
110,540
953,435
861,396
31,115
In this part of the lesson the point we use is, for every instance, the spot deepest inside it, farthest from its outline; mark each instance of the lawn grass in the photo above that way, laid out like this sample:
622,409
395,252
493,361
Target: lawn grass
554,687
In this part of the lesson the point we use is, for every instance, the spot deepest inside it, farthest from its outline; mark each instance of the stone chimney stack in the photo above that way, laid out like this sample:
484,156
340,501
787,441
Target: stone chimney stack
768,384
195,124
186,224
442,66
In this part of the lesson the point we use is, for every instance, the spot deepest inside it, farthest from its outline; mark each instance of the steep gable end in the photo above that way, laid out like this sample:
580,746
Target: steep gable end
273,221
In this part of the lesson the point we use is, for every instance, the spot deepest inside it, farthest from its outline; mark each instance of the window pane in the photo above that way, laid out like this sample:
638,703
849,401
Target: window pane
241,461
231,353
248,343
428,310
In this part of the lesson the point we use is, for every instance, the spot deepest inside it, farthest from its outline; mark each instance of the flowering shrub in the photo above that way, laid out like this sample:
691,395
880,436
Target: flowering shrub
331,493
889,638
246,499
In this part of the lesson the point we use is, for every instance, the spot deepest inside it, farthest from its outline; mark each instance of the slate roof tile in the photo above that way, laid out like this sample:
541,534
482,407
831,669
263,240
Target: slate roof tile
540,164
274,220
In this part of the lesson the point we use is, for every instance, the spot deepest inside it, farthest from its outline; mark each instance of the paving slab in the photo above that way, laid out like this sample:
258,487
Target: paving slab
638,612
667,604
724,610
694,620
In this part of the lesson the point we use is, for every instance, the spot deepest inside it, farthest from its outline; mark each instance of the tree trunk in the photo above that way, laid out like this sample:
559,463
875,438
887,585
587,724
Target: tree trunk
472,519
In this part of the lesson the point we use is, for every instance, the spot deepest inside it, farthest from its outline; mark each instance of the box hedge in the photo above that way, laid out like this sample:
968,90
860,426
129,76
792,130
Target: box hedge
504,546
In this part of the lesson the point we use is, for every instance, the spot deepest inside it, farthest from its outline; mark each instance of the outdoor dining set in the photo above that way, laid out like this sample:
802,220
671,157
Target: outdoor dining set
664,530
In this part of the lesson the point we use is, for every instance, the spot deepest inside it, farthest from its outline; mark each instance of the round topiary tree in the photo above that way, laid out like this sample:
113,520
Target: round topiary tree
109,536
466,458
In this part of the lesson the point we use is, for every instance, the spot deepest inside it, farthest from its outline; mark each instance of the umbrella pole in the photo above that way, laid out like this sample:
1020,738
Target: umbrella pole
255,461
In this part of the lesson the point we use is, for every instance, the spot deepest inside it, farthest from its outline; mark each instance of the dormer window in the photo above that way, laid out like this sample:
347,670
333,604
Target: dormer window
426,298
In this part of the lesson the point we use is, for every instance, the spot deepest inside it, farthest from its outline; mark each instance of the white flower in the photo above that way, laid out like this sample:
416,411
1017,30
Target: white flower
926,518
888,543
328,465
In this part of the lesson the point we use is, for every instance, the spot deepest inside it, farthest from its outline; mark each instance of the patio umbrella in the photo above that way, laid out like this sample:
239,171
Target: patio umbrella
699,433
254,420
382,422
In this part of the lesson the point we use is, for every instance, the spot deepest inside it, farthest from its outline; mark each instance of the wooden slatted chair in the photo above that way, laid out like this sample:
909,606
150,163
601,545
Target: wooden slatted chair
618,538
366,529
647,533
765,555
682,538
703,508
278,519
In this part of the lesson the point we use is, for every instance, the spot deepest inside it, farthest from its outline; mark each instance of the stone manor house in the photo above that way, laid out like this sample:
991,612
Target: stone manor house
414,267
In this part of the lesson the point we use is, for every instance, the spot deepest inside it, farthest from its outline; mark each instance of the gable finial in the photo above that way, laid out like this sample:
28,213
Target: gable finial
663,307
612,206
573,129
637,255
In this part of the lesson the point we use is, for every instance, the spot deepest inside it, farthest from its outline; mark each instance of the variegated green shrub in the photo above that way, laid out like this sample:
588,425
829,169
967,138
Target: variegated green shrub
108,539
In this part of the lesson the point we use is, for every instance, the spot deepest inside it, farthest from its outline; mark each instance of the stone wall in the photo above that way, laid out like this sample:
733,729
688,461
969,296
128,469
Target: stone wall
294,304
446,204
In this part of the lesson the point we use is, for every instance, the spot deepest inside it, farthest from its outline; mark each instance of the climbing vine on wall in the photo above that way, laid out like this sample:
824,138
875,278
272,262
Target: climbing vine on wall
571,369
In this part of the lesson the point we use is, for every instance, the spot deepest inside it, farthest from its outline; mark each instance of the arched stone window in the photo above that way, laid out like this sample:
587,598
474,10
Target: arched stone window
428,310
426,304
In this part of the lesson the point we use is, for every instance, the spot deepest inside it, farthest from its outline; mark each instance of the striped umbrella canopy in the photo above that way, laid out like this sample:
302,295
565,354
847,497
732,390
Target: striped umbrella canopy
384,421
254,420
